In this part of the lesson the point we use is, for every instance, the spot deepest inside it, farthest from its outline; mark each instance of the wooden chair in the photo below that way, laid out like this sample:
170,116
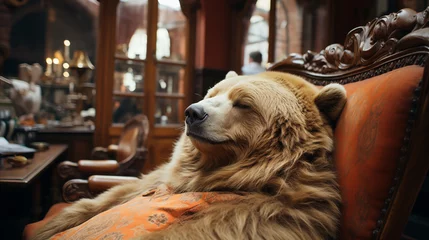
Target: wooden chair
125,159
382,136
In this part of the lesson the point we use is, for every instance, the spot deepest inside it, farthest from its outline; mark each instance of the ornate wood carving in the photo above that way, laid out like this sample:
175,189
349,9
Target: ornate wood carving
365,45
76,189
69,170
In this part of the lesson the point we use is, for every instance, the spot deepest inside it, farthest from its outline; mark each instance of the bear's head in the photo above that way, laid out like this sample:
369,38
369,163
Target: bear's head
241,112
261,126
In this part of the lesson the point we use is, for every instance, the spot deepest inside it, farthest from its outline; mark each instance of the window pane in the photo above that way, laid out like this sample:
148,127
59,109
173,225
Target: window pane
170,79
288,29
257,39
168,111
282,28
124,108
171,33
128,76
131,29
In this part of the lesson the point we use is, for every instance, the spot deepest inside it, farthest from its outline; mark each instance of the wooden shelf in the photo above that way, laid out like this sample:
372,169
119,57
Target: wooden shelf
128,94
170,95
158,61
171,62
55,85
177,126
117,57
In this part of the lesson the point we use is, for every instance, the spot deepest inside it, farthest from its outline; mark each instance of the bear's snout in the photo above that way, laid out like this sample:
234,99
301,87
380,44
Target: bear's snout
195,114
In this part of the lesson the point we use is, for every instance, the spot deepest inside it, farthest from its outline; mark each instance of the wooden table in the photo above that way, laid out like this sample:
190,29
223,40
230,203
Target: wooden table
24,175
28,192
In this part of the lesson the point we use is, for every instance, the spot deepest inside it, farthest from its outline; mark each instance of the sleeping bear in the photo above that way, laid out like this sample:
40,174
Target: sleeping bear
254,162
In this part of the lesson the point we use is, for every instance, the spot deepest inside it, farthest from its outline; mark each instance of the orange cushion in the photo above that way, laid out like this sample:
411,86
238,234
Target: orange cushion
31,229
144,214
368,137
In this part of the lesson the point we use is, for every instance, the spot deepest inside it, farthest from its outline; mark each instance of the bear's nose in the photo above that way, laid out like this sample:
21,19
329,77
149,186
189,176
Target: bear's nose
195,113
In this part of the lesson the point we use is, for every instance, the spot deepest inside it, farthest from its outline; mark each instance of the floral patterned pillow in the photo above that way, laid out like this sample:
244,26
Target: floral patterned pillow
153,211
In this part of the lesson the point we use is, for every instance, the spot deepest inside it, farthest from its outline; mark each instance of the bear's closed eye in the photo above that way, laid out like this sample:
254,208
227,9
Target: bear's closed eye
240,105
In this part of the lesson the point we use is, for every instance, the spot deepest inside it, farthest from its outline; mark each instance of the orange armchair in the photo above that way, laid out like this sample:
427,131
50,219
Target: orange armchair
126,158
381,138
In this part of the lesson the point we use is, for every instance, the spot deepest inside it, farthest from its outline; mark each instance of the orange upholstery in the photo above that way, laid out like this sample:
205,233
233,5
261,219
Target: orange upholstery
31,229
368,138
153,211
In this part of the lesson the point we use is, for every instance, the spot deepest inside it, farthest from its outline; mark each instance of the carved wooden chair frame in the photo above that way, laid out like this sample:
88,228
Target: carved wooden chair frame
384,44
78,187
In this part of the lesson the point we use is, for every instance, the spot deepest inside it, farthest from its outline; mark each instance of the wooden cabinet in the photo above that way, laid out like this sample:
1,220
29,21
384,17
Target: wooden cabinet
145,60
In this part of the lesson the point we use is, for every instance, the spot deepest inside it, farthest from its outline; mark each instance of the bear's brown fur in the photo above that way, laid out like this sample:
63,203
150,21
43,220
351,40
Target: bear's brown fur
268,135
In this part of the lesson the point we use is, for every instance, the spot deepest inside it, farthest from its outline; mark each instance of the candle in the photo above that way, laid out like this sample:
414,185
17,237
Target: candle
57,67
170,85
48,66
71,87
66,73
66,50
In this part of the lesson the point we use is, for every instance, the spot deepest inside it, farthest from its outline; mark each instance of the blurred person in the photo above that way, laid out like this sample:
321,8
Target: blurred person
254,66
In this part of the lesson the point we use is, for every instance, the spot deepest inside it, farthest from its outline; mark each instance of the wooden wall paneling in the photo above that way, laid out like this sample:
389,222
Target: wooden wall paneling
150,84
241,14
105,70
160,150
190,11
150,68
272,31
206,78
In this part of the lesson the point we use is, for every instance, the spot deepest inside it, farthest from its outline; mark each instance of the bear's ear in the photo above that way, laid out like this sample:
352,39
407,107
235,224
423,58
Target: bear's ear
331,100
231,74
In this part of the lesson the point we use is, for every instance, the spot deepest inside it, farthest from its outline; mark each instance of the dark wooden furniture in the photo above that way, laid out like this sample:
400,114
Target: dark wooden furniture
126,158
24,175
119,21
382,136
28,192
80,140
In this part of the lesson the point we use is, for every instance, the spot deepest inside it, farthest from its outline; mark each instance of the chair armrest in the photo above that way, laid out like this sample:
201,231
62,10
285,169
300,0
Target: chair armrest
112,149
76,189
101,153
101,183
98,166
69,170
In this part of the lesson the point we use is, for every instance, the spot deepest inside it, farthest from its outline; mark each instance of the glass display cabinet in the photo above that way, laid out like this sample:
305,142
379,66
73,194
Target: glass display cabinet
145,64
